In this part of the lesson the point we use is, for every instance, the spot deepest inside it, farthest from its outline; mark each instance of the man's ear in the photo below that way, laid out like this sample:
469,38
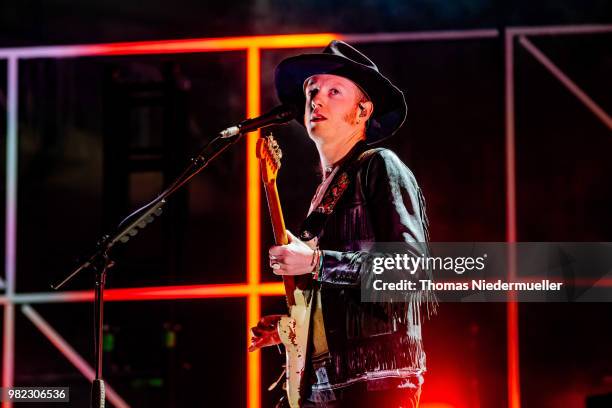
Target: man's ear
366,109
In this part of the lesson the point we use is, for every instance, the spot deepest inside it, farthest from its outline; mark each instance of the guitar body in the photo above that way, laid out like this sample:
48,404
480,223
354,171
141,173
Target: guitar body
294,329
294,332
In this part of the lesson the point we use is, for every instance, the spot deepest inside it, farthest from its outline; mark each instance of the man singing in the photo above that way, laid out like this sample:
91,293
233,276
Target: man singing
361,354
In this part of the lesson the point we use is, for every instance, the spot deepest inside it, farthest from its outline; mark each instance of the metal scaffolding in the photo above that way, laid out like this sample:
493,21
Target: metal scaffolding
252,289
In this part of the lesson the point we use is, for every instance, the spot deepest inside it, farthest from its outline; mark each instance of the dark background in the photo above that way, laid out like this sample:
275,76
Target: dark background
99,136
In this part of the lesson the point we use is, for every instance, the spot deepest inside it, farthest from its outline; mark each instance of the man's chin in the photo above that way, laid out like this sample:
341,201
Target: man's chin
318,134
316,130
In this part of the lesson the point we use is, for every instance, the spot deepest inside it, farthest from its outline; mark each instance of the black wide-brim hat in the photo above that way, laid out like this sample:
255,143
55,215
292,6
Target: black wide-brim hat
339,58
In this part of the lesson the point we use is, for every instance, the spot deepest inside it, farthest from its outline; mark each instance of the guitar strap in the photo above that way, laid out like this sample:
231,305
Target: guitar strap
315,222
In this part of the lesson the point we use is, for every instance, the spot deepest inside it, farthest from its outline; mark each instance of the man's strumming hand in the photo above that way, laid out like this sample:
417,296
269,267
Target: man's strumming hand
265,333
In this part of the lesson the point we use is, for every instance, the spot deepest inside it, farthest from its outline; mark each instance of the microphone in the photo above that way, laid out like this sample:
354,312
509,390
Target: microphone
277,116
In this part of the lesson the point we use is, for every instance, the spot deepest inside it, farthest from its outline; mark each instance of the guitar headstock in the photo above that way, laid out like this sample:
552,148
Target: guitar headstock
269,155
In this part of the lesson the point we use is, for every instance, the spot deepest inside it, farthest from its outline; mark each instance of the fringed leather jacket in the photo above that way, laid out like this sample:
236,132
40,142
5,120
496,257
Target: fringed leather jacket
368,341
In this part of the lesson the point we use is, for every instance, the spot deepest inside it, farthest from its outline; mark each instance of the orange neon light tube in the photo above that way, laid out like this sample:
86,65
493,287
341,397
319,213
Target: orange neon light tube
253,226
214,44
154,293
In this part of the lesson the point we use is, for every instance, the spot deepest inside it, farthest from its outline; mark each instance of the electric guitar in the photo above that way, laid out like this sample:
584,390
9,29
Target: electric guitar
293,329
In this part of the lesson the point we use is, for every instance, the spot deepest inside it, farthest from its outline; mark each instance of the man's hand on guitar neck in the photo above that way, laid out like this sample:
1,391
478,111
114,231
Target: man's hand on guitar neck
295,258
265,333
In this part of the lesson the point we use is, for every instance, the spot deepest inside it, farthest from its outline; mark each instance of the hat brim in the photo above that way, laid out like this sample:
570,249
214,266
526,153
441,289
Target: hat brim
389,104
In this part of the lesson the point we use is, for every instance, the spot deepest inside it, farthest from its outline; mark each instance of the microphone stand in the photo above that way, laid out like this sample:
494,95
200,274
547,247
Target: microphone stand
99,262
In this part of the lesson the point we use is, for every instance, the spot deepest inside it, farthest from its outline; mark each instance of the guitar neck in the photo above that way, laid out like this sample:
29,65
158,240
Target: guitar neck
276,214
280,234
